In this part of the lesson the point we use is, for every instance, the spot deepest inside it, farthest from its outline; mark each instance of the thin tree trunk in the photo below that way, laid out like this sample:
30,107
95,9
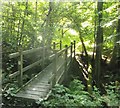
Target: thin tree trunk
83,45
94,49
50,24
23,23
33,38
118,30
116,49
95,23
81,39
36,11
99,41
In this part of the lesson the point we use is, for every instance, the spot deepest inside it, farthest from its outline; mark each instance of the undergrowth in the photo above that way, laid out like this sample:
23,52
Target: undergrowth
76,96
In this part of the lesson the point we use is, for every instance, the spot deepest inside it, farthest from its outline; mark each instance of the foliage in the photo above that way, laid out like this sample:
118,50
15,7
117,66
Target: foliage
28,21
70,97
76,95
112,97
10,91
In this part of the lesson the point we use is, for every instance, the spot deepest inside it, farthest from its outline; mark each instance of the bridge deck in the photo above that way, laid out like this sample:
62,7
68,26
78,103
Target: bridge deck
39,86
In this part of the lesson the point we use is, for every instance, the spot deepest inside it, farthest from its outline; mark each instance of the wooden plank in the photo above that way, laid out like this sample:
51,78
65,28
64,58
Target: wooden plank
42,80
33,80
43,83
35,88
28,67
51,57
29,96
24,69
14,74
39,86
38,89
13,55
61,51
32,65
36,84
32,92
31,50
33,84
38,77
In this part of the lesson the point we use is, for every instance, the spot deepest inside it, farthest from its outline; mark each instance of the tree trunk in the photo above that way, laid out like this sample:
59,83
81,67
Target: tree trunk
33,38
50,24
116,49
84,50
23,24
99,41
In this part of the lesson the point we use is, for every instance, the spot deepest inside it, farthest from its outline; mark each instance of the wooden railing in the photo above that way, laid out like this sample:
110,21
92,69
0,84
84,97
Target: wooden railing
67,54
53,57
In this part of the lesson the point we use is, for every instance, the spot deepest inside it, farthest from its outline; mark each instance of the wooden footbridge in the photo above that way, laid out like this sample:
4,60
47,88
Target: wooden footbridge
39,87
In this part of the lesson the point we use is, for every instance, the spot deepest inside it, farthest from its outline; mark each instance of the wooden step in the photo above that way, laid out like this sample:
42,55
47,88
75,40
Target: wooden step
30,96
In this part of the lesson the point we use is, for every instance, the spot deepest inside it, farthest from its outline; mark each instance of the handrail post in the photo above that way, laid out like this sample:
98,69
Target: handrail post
55,69
43,57
71,49
66,53
54,46
60,45
20,67
53,82
74,47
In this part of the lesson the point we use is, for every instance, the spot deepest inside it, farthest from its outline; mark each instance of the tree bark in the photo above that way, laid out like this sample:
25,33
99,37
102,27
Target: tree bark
23,23
116,49
99,41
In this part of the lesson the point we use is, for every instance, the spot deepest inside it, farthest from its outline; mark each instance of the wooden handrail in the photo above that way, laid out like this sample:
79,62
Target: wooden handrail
63,50
25,69
53,57
30,66
14,55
